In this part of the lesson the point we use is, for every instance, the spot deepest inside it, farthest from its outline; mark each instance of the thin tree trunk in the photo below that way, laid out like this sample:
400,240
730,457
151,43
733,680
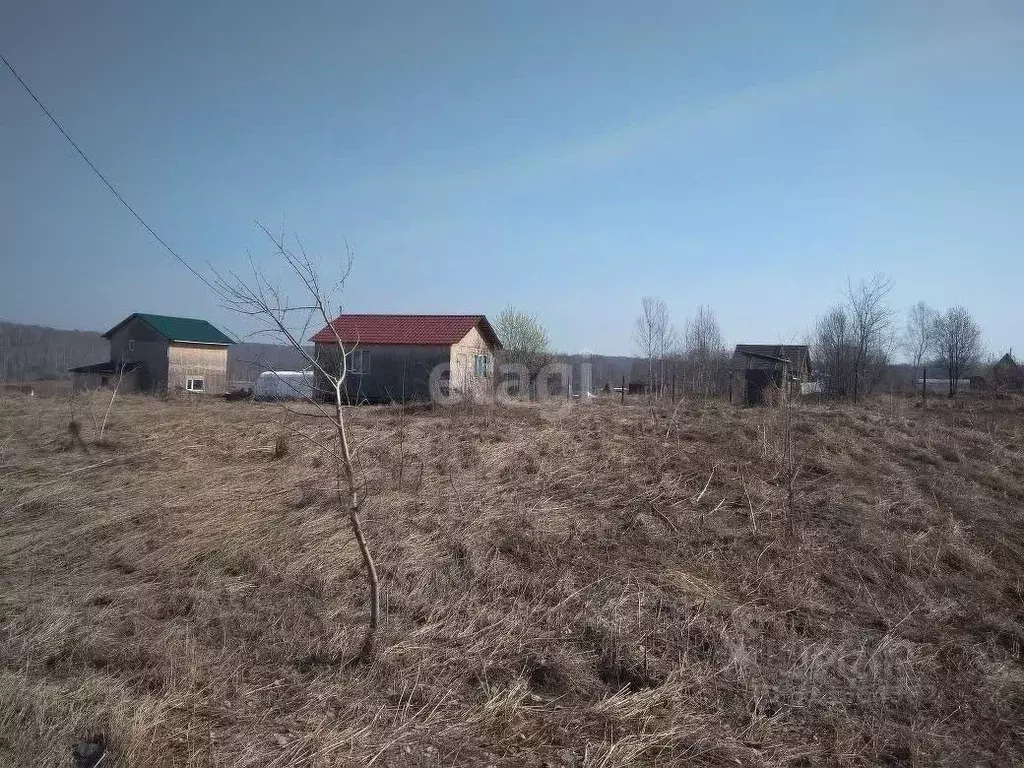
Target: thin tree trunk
347,478
856,376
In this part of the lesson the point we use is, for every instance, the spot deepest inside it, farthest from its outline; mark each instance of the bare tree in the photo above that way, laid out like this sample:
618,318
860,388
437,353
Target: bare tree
870,320
919,336
268,305
655,337
525,341
703,352
957,343
834,352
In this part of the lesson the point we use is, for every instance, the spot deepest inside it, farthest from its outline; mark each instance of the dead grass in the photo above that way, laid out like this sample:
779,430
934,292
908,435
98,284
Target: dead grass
597,586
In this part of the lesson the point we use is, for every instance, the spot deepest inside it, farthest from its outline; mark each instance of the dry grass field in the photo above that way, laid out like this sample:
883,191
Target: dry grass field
599,585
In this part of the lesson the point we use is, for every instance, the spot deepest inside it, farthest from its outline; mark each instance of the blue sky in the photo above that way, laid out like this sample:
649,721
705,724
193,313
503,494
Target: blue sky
565,157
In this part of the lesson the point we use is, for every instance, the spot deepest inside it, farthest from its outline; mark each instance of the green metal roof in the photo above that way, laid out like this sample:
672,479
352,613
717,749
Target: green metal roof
177,329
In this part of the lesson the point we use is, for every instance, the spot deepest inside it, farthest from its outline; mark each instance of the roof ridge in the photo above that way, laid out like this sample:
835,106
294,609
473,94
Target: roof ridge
178,329
171,317
404,328
408,314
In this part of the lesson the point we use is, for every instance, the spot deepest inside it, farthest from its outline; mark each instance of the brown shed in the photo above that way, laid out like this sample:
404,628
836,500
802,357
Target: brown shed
761,366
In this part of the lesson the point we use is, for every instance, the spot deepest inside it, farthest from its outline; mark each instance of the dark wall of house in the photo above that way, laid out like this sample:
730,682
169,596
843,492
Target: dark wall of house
756,381
397,373
150,349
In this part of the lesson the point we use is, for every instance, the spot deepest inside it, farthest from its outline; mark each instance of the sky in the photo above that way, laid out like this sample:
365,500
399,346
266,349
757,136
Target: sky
567,158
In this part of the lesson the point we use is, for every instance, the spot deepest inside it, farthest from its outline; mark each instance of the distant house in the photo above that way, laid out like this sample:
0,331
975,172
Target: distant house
390,358
1005,375
636,387
757,367
157,353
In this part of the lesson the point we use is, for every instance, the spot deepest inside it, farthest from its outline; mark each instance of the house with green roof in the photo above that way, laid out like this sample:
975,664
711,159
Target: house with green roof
159,353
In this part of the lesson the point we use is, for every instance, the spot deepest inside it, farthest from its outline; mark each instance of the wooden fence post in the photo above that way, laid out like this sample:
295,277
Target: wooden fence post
924,386
623,393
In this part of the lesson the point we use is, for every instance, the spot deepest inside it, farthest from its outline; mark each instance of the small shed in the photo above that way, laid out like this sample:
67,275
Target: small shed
124,376
759,367
637,387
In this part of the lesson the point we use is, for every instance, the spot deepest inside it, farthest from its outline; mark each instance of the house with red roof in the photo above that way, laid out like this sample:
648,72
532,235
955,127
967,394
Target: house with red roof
392,358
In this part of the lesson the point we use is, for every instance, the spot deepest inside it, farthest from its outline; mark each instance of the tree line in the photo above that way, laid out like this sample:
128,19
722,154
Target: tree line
853,345
855,342
38,353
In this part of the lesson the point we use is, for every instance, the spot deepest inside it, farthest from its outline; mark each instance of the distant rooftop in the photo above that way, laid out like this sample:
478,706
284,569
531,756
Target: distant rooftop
413,330
791,353
180,329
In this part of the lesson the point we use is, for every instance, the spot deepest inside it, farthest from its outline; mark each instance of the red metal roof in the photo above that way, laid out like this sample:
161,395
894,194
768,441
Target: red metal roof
418,330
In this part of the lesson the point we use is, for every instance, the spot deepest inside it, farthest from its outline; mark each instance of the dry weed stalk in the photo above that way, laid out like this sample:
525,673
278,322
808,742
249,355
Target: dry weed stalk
110,404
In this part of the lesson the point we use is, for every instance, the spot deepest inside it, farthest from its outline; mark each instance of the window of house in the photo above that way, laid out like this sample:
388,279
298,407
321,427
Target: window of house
359,361
195,385
131,345
481,365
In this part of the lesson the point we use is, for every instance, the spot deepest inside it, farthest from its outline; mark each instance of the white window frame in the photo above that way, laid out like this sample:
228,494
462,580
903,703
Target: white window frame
481,366
358,362
190,384
131,345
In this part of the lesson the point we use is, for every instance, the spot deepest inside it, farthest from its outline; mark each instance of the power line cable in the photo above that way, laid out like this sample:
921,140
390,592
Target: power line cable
103,178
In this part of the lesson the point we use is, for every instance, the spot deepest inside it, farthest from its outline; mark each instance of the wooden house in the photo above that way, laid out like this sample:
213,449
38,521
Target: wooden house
391,358
158,353
759,367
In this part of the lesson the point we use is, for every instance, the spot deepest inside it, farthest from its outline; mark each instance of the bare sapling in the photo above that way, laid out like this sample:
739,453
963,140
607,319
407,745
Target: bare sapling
789,460
110,404
268,305
785,450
